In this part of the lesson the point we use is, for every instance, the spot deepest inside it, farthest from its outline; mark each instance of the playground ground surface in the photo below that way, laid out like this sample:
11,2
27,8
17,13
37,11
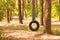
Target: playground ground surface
16,31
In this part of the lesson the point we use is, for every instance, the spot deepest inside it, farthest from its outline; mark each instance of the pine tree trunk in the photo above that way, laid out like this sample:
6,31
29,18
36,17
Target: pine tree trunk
8,17
47,18
22,9
41,12
20,14
25,15
32,9
59,10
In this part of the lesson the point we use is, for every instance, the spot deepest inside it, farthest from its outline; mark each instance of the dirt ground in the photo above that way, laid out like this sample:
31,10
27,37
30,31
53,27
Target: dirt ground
26,35
12,31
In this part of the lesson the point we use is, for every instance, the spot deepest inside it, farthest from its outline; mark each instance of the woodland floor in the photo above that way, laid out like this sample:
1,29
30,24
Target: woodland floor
16,31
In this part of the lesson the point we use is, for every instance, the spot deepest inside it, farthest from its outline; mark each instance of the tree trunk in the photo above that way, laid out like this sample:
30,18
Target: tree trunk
41,12
25,15
22,9
20,14
59,10
36,8
8,17
47,23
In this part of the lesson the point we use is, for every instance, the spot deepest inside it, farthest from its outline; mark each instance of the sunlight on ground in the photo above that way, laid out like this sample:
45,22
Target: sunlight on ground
56,23
30,34
22,34
27,21
50,37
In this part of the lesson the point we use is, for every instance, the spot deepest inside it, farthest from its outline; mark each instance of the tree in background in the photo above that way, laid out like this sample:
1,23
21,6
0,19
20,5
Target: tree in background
32,9
41,11
9,9
23,9
28,8
11,15
7,13
12,8
55,8
59,9
20,14
47,18
2,10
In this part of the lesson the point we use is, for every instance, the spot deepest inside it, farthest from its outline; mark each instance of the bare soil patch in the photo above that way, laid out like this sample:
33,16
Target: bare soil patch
16,31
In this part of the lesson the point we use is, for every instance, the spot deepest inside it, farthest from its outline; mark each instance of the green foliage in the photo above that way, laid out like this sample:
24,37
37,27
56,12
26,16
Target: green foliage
1,16
2,10
55,9
4,4
28,8
11,5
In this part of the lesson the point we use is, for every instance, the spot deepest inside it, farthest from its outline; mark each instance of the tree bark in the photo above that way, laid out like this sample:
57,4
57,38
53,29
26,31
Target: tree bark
25,15
47,18
41,12
59,10
8,17
22,9
20,14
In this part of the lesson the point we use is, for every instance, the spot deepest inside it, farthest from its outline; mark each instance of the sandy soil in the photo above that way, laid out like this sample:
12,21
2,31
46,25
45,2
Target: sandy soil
13,33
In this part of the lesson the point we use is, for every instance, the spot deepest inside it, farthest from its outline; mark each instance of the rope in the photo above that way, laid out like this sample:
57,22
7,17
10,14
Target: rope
34,10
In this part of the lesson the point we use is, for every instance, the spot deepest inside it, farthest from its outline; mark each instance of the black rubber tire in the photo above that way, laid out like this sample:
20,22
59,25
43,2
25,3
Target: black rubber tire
30,25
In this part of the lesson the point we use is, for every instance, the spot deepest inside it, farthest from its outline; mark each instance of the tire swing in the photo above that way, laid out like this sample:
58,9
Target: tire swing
33,18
